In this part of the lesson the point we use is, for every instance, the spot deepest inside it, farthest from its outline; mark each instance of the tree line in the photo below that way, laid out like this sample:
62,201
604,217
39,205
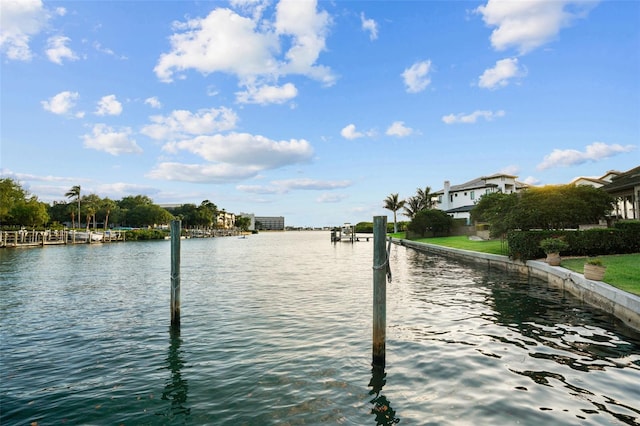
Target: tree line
547,207
20,208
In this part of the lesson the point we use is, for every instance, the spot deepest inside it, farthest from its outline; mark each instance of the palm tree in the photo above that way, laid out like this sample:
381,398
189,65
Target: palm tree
107,205
392,203
425,197
72,211
412,206
91,204
74,192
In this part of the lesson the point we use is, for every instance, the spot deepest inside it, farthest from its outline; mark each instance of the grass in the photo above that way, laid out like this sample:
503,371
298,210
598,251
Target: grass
463,242
623,271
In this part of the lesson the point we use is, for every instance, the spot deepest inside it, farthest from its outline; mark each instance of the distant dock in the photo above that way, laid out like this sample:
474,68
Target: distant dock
347,234
25,238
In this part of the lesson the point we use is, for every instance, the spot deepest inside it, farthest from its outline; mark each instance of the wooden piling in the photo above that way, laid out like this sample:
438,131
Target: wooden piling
380,262
175,272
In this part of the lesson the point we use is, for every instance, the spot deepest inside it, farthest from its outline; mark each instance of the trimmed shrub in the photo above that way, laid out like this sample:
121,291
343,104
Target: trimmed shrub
145,234
631,230
525,245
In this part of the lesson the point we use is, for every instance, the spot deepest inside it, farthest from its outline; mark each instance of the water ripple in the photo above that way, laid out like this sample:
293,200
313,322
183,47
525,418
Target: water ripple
276,329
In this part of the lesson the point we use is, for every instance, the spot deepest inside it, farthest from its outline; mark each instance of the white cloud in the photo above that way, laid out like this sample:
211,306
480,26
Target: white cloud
331,198
109,105
306,29
287,185
251,47
473,117
122,189
246,150
500,74
202,173
350,132
57,49
529,24
398,129
570,157
222,41
416,77
370,26
105,138
311,184
181,123
254,7
260,189
153,102
512,170
267,94
62,103
20,20
530,180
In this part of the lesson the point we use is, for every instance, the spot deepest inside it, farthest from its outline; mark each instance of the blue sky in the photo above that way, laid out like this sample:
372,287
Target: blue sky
315,111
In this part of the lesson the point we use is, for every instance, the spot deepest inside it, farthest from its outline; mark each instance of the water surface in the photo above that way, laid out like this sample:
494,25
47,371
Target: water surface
276,329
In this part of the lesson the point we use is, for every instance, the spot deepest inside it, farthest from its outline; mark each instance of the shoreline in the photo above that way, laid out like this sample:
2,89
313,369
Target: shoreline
624,306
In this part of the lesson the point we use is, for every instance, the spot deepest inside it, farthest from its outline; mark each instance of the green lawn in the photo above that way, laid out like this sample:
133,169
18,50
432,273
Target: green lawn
463,242
623,271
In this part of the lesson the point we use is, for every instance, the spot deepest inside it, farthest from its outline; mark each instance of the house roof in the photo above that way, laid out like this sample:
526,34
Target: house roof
624,182
480,182
463,209
598,181
610,175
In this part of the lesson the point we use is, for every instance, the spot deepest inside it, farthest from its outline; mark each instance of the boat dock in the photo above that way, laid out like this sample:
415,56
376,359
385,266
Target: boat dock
25,238
347,234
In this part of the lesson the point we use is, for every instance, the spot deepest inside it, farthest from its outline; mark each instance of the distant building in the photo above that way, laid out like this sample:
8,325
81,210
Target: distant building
226,220
270,223
252,217
458,200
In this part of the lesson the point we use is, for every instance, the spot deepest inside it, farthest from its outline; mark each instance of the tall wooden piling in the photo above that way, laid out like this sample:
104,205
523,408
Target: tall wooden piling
380,262
176,227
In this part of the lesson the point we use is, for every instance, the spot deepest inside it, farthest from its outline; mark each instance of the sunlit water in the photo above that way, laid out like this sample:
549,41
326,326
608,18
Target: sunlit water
276,329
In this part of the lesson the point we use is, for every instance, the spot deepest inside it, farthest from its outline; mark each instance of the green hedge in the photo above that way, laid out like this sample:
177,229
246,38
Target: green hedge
623,238
632,233
145,234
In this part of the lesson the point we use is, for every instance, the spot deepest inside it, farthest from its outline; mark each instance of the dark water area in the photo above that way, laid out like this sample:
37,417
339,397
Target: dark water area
276,329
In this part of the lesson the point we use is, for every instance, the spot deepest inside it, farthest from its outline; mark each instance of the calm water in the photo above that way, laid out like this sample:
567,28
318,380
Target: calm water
276,329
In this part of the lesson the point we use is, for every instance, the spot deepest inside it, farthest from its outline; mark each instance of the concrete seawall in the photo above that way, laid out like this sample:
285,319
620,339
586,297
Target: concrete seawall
625,306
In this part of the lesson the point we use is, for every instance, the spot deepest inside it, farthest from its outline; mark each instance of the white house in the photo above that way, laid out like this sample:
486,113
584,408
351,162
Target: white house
621,185
458,200
626,188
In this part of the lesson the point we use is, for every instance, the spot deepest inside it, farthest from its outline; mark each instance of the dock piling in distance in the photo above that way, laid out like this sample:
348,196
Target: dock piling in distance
176,226
379,290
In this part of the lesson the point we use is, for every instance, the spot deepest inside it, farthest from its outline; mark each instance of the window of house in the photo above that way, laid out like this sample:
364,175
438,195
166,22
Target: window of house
472,194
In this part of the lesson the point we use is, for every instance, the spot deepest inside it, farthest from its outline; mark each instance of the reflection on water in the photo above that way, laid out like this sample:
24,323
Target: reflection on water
176,387
384,414
276,330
